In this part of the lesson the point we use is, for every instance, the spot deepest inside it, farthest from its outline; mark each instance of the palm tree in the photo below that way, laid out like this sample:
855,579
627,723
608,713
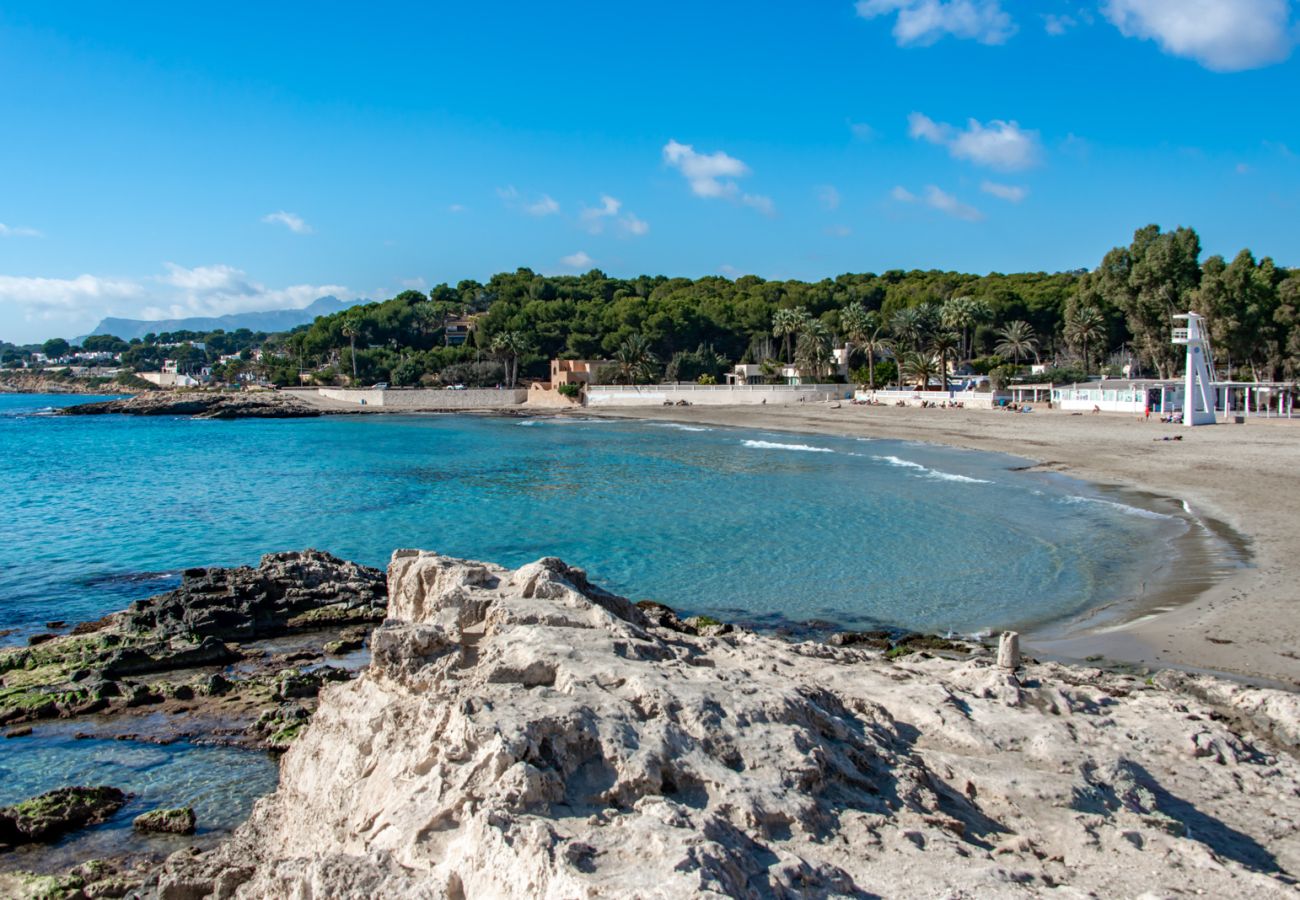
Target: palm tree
920,367
635,361
1083,325
908,325
1017,339
856,324
941,345
813,351
788,322
351,328
509,345
963,314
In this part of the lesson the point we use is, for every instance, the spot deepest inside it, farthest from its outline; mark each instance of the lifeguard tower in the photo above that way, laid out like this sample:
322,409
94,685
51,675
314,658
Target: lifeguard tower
1199,394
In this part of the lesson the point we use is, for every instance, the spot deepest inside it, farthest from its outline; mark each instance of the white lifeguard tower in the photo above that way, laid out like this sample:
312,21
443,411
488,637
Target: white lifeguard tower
1199,393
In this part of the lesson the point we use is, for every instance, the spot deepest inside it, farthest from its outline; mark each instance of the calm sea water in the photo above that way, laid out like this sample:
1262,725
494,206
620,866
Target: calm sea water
768,529
761,527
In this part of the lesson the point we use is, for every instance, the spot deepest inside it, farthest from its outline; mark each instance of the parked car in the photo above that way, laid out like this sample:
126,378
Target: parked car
381,386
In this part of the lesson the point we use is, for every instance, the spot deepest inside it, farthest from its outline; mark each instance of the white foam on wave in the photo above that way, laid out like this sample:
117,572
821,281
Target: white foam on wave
1122,507
927,472
526,423
679,426
772,445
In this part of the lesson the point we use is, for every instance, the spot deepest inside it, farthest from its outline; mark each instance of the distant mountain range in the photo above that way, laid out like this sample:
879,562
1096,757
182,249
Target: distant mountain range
270,320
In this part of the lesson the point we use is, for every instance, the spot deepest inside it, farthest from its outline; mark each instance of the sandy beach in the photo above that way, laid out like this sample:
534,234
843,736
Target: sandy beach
1247,624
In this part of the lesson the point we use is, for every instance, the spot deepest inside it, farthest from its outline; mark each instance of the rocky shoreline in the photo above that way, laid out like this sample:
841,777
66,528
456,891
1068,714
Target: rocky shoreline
526,733
38,383
201,405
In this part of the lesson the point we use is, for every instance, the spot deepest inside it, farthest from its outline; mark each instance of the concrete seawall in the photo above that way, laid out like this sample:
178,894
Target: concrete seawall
715,395
421,399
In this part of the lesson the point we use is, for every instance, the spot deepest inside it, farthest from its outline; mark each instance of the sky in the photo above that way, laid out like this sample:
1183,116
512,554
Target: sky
161,160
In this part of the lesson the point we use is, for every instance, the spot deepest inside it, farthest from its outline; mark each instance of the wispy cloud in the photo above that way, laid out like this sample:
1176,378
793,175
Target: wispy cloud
65,299
539,205
828,197
1009,192
998,145
839,231
1057,25
456,208
938,199
221,289
861,131
18,231
292,221
1221,35
579,260
713,175
595,218
923,22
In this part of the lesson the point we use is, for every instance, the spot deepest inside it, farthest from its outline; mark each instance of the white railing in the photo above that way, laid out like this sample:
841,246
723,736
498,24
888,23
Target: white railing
690,386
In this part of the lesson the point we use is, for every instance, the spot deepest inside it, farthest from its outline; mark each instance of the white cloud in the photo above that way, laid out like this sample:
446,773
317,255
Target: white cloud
713,175
1058,25
1009,192
828,197
543,205
729,270
1222,35
65,299
595,218
579,260
862,131
219,289
922,22
413,284
998,145
935,198
634,226
18,231
292,221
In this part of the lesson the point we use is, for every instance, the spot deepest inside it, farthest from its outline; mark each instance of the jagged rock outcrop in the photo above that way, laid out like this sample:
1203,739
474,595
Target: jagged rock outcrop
201,405
287,591
526,734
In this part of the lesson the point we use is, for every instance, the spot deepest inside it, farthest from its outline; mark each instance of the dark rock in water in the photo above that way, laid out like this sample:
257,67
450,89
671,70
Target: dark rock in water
201,404
216,685
876,640
293,684
44,818
344,646
55,626
166,821
37,639
18,732
287,592
135,661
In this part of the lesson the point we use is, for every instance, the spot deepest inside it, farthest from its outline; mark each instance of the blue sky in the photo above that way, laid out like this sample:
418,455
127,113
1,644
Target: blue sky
164,159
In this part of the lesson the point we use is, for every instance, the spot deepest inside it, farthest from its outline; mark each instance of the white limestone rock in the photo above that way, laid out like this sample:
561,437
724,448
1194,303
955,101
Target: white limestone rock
525,734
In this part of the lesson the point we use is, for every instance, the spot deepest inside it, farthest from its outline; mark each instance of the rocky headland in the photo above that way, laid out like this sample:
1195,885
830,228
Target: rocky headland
232,655
201,405
527,734
21,381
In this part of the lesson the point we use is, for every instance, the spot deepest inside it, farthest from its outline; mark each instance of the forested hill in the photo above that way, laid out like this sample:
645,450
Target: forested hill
267,320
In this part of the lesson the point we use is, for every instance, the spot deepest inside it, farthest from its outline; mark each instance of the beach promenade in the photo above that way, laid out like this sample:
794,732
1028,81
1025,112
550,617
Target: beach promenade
1244,476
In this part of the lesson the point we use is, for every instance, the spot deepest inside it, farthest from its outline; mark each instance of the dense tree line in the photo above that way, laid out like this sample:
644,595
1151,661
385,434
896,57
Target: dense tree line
924,322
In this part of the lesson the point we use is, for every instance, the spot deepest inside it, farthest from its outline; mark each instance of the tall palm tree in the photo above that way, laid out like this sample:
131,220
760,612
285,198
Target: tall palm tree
1017,339
812,353
352,328
786,323
1083,326
508,345
908,325
874,343
943,344
855,323
920,367
634,359
963,314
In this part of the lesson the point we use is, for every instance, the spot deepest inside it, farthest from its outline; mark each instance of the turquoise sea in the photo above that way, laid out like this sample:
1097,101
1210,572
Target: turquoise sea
774,530
766,528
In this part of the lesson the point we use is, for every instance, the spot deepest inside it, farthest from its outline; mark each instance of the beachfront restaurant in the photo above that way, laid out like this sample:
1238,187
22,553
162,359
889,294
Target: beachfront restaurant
1161,396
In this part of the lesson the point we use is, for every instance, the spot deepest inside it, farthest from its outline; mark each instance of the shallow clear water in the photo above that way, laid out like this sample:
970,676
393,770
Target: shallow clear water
761,527
220,783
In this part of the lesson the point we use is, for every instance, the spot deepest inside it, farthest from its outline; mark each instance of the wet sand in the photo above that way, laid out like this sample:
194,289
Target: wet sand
1239,480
